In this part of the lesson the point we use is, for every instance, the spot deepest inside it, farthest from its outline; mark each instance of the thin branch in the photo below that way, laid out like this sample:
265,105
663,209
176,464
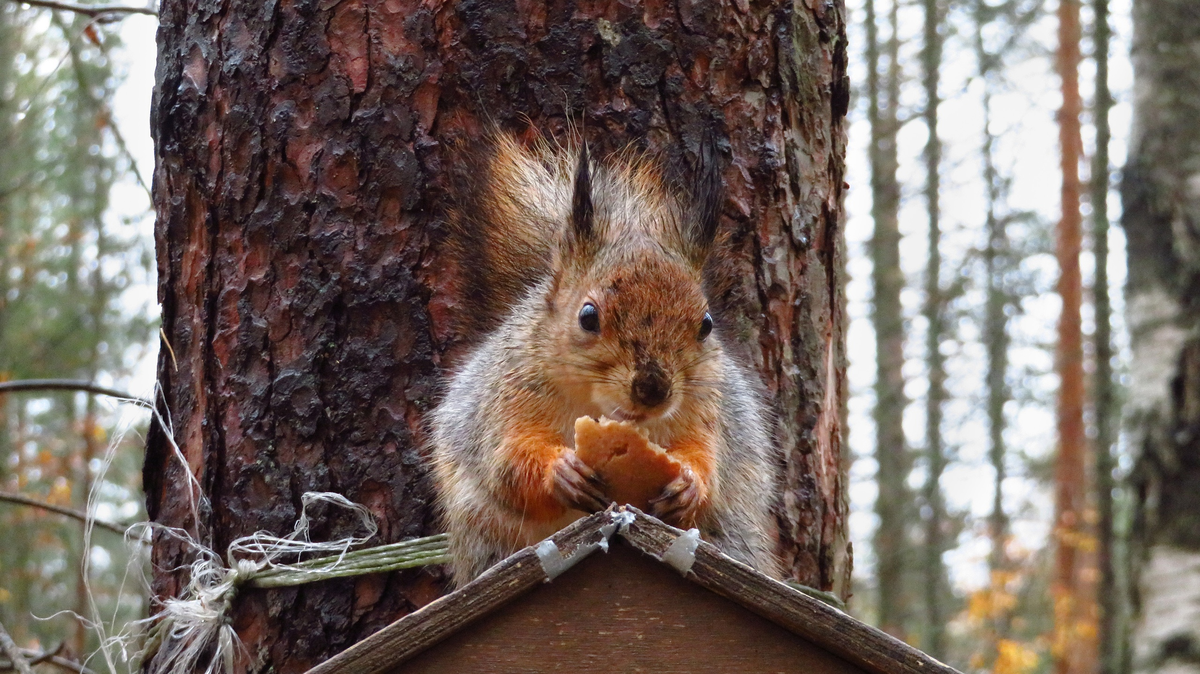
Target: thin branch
36,657
50,658
14,654
102,109
66,512
69,385
93,11
124,148
69,665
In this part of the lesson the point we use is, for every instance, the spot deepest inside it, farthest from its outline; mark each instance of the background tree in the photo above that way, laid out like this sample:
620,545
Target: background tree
1111,637
1074,622
1161,220
65,263
1007,598
302,156
987,321
894,505
934,508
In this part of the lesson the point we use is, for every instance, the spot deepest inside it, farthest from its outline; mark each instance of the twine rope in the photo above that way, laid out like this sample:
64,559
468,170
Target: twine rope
195,628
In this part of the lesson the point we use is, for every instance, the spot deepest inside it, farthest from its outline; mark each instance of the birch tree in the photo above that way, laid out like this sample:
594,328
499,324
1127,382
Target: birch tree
1161,194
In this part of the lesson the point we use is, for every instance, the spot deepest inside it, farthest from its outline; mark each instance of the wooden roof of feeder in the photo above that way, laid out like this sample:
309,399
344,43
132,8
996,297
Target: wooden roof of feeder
659,601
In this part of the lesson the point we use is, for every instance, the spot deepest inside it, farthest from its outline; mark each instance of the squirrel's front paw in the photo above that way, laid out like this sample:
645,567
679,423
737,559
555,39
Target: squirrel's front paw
680,501
576,485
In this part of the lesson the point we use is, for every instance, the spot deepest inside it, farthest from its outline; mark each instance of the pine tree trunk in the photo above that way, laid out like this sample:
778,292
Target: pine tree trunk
1074,605
1161,194
302,159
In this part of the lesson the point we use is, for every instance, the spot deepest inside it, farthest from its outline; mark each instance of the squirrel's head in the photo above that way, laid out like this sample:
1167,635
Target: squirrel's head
629,324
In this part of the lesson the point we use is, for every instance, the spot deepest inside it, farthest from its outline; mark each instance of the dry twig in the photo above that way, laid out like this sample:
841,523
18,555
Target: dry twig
14,654
67,512
109,12
50,658
69,385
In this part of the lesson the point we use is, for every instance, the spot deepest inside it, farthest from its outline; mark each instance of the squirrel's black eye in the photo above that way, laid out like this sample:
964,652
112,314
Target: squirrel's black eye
589,318
705,326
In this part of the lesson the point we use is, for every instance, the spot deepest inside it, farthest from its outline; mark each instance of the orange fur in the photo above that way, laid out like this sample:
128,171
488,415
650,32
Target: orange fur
526,460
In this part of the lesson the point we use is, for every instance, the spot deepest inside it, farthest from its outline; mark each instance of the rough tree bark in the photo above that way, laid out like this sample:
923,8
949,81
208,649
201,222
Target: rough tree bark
1161,194
302,154
893,505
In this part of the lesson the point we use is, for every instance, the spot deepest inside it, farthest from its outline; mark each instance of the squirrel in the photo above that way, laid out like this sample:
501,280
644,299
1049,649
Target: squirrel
592,276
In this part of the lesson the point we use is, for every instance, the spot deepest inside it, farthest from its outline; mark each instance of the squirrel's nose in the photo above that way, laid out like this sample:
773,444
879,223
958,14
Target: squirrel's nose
650,386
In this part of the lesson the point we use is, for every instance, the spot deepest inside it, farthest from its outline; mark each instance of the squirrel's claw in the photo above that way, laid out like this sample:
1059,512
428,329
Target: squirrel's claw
576,485
679,501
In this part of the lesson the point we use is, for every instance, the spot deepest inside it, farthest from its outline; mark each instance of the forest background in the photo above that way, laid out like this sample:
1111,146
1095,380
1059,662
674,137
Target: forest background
954,269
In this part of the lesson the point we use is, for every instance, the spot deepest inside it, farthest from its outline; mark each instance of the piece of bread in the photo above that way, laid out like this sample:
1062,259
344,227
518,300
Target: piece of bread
634,469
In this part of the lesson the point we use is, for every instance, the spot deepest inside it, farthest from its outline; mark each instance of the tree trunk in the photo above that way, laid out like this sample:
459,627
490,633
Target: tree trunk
302,162
1074,643
998,268
8,111
1110,636
1161,193
893,505
933,569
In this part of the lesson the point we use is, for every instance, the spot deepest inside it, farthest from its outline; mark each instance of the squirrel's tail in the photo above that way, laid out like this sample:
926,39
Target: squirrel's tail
507,212
511,203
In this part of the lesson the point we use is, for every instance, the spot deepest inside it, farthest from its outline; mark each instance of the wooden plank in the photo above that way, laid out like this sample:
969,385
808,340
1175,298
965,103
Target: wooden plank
420,629
823,625
624,612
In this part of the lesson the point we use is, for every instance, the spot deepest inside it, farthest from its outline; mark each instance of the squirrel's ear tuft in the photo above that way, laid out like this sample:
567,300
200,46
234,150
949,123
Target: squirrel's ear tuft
582,213
707,193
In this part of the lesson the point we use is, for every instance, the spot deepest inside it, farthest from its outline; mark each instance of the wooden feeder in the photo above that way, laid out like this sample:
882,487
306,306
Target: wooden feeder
619,591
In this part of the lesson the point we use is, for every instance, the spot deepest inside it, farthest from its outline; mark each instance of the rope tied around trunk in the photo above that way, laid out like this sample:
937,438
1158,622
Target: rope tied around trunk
195,628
